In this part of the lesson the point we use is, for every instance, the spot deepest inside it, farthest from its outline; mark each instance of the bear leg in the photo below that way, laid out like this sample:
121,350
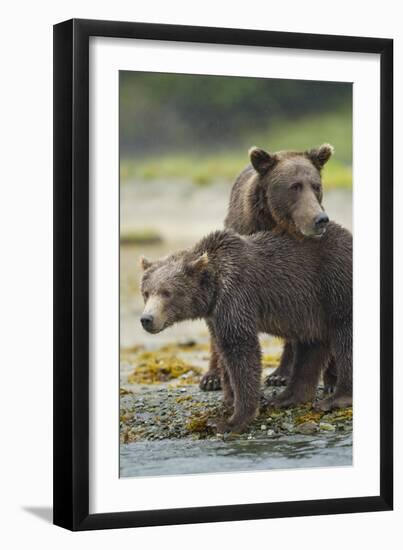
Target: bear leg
242,362
227,388
342,347
309,360
282,374
330,377
211,381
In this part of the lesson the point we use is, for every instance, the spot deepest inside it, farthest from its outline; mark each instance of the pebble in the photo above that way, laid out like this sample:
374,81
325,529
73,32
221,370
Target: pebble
288,427
307,428
156,415
327,427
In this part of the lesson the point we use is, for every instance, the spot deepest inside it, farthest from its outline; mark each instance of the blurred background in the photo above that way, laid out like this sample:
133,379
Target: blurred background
183,141
200,127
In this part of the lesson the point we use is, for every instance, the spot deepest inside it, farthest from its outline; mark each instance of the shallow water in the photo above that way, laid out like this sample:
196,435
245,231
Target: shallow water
174,457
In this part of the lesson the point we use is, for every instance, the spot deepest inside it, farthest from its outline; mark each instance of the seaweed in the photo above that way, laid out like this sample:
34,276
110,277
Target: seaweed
270,360
154,368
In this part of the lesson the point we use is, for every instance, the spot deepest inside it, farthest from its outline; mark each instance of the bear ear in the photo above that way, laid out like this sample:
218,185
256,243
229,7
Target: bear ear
199,264
144,263
321,155
261,160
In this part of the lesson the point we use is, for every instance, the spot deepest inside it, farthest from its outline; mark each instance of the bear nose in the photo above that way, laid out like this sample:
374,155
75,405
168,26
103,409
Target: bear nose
147,321
321,220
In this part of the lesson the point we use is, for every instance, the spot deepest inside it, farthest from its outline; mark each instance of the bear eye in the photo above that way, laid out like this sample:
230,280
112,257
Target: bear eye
316,187
146,295
296,186
165,294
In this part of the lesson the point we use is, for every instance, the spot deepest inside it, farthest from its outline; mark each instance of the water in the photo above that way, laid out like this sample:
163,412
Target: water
175,457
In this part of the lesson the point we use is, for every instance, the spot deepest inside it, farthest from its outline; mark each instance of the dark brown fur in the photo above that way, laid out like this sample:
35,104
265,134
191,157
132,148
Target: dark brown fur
264,198
263,283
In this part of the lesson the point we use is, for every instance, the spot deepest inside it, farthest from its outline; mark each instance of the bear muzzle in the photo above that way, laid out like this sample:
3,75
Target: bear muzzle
147,322
154,318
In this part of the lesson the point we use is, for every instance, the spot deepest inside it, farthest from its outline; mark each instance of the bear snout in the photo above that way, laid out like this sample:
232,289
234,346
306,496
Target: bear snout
147,321
321,220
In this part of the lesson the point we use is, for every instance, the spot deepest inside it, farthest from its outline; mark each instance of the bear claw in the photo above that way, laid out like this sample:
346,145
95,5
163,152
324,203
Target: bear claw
210,382
276,380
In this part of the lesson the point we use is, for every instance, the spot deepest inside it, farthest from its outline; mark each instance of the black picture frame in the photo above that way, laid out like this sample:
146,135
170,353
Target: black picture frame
71,274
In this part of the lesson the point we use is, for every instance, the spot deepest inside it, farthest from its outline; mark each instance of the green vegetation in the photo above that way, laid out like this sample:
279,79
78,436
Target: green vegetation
162,112
143,236
300,134
199,424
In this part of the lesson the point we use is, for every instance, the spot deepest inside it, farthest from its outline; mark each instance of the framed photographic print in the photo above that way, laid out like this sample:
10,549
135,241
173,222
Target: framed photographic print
223,254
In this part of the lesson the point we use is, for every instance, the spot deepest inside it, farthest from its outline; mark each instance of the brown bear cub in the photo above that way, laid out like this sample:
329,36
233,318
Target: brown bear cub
243,285
279,192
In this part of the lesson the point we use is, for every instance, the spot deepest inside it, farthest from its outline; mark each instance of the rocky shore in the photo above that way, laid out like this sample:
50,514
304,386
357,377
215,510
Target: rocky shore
160,399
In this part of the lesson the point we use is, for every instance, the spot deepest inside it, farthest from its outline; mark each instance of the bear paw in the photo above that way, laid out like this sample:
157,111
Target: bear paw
288,399
225,427
334,402
276,380
211,381
329,382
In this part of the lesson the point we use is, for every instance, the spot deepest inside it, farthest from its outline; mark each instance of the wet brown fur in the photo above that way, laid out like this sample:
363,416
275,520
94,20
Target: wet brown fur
265,283
261,201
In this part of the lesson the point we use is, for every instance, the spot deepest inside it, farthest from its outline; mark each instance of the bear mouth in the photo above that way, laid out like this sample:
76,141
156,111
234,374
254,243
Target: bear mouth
320,234
314,235
153,330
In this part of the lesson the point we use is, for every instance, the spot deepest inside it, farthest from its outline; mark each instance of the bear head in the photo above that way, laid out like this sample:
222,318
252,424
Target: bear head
175,288
292,186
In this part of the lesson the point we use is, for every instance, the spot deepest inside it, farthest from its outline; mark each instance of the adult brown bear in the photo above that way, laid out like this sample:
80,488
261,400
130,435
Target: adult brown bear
280,192
265,282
